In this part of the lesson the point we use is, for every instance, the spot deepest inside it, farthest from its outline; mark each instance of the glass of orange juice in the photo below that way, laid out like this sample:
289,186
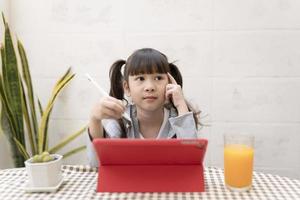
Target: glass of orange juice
238,161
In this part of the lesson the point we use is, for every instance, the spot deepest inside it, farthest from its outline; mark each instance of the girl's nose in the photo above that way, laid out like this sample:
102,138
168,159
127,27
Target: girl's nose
149,87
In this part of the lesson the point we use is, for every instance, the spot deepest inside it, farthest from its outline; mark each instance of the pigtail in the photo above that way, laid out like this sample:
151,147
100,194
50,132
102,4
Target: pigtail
116,88
196,114
116,80
174,71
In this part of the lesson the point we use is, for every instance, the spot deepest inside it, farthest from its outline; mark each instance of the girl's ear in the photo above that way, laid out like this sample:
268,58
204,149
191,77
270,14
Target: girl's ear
126,88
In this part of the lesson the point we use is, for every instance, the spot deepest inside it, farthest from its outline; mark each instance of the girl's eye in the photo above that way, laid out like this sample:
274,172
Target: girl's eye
158,78
140,78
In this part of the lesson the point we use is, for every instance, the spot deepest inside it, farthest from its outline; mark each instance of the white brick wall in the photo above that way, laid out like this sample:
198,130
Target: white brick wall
239,60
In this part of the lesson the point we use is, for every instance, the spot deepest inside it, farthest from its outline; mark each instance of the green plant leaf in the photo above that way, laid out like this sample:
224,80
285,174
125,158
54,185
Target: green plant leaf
6,124
7,112
43,137
8,121
4,100
74,151
3,18
2,57
67,140
2,92
61,83
6,128
18,104
40,108
67,73
30,93
28,124
21,148
12,84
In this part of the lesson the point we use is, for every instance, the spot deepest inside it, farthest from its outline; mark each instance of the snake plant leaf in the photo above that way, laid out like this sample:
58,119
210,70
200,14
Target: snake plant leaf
68,72
6,128
59,87
43,137
6,115
40,107
4,95
61,81
76,150
18,104
3,18
21,148
12,84
28,123
6,110
54,95
27,79
2,56
6,123
67,140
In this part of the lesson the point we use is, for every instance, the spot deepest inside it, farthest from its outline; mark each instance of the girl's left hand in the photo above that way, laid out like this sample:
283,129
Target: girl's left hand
174,92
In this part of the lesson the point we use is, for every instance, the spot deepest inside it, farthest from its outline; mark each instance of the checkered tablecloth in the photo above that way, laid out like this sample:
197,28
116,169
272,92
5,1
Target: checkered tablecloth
80,183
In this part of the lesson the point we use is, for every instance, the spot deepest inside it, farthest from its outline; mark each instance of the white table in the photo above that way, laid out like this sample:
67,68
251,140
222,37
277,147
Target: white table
80,183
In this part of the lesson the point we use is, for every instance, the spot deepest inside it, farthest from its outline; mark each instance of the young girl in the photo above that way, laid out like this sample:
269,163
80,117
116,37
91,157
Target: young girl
158,108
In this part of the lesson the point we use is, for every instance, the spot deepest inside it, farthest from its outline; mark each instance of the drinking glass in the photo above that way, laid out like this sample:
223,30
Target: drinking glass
238,161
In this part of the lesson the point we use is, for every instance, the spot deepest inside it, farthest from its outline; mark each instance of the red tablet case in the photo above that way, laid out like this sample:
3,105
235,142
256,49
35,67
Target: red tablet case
150,165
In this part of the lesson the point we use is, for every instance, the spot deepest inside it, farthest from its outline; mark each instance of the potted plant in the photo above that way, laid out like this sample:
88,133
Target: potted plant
18,102
44,170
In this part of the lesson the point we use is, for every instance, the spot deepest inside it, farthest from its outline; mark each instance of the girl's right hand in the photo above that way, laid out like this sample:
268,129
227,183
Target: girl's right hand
107,108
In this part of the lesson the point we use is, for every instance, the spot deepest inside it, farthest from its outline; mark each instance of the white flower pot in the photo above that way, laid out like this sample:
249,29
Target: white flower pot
45,174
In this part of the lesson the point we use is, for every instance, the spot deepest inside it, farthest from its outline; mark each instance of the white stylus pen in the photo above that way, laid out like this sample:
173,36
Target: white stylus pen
104,93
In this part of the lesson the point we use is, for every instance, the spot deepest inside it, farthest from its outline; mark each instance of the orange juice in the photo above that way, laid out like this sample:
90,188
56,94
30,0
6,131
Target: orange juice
238,165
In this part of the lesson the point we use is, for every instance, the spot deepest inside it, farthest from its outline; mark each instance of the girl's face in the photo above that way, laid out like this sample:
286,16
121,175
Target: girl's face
147,91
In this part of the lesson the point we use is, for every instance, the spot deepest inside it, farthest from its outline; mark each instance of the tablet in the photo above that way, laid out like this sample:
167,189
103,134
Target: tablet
150,165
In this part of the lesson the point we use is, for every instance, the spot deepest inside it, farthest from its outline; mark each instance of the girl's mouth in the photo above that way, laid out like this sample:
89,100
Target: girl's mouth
150,97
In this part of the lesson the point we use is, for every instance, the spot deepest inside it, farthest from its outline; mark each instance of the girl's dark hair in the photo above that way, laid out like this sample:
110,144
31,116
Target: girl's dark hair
143,61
